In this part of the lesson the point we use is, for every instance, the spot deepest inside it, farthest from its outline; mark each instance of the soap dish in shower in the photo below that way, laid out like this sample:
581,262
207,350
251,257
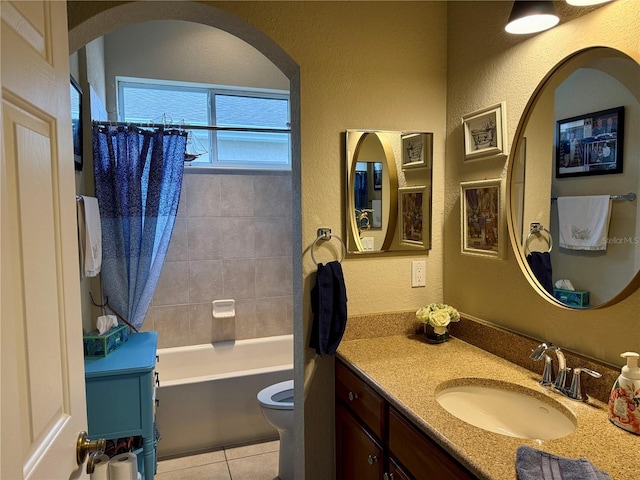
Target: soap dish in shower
224,308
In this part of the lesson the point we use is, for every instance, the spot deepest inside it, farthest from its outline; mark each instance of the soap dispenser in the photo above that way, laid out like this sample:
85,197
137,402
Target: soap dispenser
624,401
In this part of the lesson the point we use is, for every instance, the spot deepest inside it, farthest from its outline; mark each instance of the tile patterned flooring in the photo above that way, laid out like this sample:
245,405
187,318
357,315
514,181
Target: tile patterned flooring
251,462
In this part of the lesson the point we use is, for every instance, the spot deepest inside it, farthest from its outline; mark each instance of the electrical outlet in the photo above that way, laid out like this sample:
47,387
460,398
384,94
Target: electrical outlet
417,273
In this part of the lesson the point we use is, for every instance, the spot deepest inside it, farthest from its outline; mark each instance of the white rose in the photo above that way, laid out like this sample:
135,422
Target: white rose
439,318
423,314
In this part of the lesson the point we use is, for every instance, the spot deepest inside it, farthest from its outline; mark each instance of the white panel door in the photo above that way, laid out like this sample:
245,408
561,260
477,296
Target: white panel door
42,371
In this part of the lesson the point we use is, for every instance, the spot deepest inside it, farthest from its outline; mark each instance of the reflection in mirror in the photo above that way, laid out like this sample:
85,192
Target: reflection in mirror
378,162
559,180
367,191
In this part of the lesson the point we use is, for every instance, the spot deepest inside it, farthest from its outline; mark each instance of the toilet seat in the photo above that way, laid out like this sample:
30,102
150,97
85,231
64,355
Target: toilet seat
278,396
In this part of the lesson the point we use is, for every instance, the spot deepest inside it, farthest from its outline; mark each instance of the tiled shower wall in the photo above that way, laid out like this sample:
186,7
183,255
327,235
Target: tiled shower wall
231,240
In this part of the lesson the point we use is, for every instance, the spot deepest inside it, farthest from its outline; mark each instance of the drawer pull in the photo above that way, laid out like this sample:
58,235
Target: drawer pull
353,396
157,402
388,476
157,379
372,459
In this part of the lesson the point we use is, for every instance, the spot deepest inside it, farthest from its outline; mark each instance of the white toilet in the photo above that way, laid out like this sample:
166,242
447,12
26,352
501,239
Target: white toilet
277,407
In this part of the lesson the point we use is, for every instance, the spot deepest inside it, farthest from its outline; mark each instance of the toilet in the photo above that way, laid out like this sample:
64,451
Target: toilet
276,402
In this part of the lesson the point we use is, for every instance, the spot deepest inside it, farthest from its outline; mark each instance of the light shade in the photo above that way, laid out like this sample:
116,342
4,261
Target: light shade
531,17
586,3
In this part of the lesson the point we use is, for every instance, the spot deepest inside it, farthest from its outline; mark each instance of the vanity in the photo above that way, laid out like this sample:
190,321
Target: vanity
390,425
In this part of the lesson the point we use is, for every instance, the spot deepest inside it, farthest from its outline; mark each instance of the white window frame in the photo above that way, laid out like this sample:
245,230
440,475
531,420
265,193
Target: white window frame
215,164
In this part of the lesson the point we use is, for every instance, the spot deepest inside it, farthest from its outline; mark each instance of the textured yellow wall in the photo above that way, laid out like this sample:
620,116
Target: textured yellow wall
486,66
392,66
366,65
369,65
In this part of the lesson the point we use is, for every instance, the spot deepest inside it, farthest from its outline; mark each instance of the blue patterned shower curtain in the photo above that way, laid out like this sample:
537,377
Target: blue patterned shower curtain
138,177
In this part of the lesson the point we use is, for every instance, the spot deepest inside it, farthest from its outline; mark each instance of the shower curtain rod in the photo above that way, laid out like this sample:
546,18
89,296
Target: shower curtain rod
183,126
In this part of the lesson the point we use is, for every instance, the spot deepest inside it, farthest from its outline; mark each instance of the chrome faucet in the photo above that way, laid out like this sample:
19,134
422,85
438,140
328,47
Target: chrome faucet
575,391
547,376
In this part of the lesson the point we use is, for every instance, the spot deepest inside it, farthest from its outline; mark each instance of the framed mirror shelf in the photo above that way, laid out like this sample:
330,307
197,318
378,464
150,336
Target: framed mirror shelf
388,197
572,184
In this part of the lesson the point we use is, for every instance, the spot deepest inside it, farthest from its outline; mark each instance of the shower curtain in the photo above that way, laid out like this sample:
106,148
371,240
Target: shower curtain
138,177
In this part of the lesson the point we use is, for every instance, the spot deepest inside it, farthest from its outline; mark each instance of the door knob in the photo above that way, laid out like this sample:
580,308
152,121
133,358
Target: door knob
84,447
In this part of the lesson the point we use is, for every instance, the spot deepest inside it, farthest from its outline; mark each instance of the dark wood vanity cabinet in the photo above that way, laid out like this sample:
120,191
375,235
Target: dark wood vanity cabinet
375,441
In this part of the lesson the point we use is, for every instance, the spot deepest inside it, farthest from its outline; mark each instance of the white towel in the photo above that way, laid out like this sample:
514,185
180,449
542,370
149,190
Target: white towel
584,222
90,236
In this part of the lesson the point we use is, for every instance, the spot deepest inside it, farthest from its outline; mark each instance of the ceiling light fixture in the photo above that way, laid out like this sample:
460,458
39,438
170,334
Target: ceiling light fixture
586,3
531,17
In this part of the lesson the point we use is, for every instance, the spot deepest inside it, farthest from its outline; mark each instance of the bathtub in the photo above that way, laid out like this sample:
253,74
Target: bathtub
207,393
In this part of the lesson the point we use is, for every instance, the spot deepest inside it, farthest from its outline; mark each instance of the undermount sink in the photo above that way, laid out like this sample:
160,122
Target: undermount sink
505,408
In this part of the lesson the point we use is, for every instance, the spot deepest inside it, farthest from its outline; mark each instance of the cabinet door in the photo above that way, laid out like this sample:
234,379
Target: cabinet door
359,456
396,472
419,454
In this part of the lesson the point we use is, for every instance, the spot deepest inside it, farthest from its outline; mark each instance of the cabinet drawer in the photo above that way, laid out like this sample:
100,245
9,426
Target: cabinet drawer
420,455
366,404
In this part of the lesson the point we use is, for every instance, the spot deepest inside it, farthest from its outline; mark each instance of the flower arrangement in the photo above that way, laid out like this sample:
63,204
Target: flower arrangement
438,315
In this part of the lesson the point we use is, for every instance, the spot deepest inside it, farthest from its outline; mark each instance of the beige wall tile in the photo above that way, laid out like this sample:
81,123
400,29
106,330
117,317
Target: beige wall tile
273,236
203,195
172,325
272,194
200,323
245,320
205,238
239,278
271,317
179,245
236,195
238,237
205,281
273,276
173,285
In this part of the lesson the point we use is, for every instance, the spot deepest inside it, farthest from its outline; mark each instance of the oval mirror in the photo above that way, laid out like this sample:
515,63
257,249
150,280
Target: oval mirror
388,199
573,178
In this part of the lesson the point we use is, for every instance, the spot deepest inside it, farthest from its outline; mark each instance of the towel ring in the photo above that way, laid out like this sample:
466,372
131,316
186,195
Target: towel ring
325,234
536,229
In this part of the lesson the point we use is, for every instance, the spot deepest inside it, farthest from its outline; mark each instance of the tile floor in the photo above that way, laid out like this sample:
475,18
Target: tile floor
251,462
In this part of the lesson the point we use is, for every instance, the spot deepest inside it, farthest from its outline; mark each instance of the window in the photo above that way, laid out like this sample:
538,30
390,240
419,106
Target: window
252,125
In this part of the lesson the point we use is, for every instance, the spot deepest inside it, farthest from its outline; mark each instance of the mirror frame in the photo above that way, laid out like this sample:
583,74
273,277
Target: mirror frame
392,172
517,144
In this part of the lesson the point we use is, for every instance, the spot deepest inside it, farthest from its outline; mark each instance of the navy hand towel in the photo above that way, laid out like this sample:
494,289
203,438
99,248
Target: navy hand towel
540,263
532,464
329,306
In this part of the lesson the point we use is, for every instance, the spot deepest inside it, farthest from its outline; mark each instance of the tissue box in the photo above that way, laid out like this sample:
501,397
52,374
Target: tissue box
96,345
573,298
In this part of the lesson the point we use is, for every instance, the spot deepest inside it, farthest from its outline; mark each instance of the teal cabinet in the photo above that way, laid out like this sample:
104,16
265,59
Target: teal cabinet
121,395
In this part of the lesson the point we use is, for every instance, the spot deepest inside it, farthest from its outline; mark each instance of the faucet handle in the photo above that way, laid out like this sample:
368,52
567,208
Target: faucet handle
575,390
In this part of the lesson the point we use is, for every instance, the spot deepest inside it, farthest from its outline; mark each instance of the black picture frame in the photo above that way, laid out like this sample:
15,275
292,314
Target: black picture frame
76,122
590,144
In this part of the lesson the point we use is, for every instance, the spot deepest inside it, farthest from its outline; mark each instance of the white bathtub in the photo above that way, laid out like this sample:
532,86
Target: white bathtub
207,393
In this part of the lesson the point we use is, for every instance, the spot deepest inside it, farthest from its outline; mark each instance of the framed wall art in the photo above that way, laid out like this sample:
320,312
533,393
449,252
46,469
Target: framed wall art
413,203
590,144
485,132
482,218
76,122
417,150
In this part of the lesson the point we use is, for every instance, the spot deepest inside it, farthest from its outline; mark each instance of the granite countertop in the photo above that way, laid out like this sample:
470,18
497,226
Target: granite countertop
407,371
